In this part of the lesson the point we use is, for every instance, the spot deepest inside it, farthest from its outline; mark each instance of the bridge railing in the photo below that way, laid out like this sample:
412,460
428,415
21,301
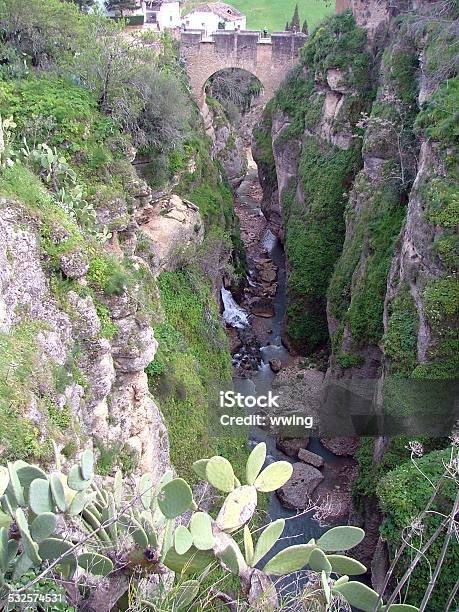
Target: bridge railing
235,41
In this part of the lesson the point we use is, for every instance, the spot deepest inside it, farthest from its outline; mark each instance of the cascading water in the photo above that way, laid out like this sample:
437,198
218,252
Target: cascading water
233,314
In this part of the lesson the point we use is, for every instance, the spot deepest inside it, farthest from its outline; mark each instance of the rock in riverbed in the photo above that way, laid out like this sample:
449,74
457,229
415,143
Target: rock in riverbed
291,446
311,458
343,447
275,365
296,493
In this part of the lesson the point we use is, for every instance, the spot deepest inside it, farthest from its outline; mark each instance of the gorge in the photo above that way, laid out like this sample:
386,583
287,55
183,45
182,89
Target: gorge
158,246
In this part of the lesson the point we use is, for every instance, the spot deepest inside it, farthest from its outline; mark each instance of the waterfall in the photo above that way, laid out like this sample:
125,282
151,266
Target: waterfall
233,314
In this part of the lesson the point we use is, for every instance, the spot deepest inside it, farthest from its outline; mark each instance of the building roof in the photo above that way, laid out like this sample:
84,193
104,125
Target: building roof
223,10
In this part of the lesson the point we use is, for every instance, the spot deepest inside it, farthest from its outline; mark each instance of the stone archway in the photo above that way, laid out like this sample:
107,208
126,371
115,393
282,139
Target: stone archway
268,59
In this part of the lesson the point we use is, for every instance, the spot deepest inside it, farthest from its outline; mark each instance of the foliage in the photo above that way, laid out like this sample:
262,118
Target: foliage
234,88
441,299
41,32
404,493
315,227
119,6
371,472
131,534
338,43
400,340
191,359
20,369
439,119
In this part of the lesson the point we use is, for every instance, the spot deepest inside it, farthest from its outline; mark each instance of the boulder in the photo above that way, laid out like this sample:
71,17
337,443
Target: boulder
268,275
343,447
296,493
311,458
74,265
291,446
275,365
263,308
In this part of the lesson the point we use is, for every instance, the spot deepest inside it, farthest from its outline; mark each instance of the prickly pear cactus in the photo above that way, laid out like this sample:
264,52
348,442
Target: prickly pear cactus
140,519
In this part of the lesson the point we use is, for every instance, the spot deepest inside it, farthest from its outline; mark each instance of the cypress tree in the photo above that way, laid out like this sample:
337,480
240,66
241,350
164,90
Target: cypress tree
304,29
295,23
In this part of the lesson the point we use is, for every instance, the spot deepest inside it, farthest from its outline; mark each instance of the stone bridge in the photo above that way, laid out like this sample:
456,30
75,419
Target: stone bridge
269,59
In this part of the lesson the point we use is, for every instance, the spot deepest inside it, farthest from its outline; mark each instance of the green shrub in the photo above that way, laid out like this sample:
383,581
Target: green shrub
314,237
440,118
403,494
338,43
441,298
401,339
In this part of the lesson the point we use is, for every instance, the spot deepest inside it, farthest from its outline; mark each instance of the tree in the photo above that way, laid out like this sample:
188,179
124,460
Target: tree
120,6
83,5
295,23
304,29
287,27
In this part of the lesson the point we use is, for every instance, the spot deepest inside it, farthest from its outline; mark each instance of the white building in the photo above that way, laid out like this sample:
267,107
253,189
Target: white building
213,16
158,14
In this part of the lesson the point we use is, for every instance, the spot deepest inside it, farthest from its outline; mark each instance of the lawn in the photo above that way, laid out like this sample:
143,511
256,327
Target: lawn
273,14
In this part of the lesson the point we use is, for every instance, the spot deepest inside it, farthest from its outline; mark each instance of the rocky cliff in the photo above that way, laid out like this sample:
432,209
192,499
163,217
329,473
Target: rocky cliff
81,304
363,127
357,157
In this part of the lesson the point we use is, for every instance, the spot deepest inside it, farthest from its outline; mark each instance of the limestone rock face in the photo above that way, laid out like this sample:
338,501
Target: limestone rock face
99,380
228,146
171,228
296,493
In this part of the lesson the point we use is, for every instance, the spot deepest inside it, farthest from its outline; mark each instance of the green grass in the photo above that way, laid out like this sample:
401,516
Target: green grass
273,14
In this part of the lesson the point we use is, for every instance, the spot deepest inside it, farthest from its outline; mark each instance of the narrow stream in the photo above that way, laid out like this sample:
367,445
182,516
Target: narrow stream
298,529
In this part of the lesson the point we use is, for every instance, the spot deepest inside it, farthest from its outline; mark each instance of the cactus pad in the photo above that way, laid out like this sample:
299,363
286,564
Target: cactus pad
340,538
186,594
248,546
40,498
28,473
220,474
43,526
201,530
255,462
318,561
274,476
289,560
175,498
87,464
267,539
75,479
238,509
359,595
192,562
4,479
146,491
80,501
345,565
98,565
183,540
57,491
199,468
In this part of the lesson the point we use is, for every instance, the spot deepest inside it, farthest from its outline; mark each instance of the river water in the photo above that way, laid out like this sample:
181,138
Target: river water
300,528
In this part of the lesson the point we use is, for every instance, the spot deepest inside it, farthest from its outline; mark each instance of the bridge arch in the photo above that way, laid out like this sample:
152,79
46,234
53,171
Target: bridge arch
267,59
